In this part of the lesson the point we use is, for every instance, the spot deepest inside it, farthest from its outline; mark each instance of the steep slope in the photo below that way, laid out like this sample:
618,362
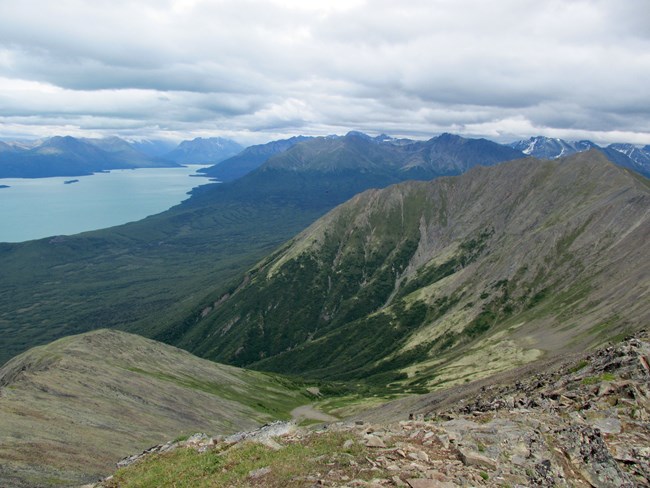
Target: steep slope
148,276
204,151
70,410
249,159
433,282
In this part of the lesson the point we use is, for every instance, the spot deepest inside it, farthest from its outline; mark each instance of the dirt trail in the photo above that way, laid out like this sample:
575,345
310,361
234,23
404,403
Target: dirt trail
309,412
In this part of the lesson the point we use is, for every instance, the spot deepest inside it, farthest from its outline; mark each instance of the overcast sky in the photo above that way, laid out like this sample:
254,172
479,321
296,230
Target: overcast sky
258,70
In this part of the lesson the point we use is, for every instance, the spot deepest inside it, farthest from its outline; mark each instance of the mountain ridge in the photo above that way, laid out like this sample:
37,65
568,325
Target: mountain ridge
358,269
204,151
249,159
580,423
625,155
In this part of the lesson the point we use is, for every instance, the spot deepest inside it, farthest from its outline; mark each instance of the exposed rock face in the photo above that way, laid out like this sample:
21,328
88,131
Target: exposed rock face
583,425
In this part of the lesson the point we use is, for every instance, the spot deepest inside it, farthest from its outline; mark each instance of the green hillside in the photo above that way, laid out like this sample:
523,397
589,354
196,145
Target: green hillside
71,409
426,283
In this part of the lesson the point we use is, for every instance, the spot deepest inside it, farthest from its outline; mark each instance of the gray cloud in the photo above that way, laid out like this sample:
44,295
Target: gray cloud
255,70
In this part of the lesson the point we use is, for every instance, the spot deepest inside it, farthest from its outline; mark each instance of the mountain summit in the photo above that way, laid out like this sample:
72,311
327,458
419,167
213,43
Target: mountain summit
625,155
204,151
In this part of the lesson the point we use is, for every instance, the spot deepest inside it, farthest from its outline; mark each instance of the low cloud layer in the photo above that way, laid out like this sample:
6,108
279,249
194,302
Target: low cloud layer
256,70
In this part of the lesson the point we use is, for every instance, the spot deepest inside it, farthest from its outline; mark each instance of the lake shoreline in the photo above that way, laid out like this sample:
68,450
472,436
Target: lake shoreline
36,208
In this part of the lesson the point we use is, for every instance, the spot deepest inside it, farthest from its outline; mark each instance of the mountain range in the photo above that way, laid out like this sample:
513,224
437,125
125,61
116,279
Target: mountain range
70,156
626,155
212,150
249,159
367,266
149,277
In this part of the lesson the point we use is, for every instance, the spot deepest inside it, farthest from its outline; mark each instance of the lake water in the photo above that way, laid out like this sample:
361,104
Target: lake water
43,207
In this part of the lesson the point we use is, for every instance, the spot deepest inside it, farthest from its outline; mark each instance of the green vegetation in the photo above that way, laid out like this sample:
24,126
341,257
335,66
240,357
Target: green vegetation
301,318
233,467
469,251
593,380
154,277
151,277
115,394
581,364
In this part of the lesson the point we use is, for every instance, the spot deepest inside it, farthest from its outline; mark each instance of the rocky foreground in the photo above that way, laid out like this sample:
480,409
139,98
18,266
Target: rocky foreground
585,424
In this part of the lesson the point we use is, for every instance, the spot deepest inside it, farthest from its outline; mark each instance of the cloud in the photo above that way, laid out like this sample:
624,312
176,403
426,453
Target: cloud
255,69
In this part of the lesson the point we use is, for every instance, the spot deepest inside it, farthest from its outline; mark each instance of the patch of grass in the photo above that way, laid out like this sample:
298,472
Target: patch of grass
484,475
288,466
592,380
581,364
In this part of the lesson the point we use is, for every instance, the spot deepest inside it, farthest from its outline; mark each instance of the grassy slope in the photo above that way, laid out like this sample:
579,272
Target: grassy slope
291,465
71,409
432,283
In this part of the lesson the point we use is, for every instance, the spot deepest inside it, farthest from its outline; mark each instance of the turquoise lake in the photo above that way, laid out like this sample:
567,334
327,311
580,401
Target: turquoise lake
43,207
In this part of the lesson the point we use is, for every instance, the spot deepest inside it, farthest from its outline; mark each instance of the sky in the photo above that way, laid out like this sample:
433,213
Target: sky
256,70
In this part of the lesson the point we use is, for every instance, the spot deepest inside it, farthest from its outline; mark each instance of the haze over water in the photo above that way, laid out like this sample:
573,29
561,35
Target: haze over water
43,207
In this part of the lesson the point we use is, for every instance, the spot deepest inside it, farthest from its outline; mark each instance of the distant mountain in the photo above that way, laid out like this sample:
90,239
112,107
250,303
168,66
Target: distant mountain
204,151
71,409
69,156
153,147
426,283
551,148
446,154
249,159
4,147
639,156
124,151
625,155
324,171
